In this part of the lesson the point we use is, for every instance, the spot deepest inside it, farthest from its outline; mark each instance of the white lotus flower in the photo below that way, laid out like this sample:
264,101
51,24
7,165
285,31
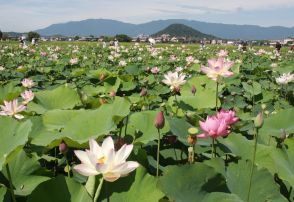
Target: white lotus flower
27,83
73,61
285,78
105,160
122,63
174,80
12,109
27,96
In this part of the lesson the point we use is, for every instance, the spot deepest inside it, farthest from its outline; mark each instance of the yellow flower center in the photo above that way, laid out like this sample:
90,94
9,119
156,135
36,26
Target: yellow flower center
101,160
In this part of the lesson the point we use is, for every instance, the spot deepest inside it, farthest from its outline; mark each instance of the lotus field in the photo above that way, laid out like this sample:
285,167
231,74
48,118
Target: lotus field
137,123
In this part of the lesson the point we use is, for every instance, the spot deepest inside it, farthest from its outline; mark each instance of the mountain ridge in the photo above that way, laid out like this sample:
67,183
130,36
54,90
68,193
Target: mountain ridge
99,27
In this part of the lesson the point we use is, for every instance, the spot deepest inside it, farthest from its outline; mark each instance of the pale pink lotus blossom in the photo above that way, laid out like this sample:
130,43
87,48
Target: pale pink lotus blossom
27,96
27,83
11,108
43,54
73,61
213,127
285,78
155,70
189,59
172,58
222,53
105,160
174,80
228,115
218,68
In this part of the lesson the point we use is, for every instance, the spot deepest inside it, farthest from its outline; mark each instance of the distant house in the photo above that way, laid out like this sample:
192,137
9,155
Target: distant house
174,39
288,41
141,38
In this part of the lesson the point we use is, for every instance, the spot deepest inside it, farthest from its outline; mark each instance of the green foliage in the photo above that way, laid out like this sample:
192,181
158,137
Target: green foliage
32,34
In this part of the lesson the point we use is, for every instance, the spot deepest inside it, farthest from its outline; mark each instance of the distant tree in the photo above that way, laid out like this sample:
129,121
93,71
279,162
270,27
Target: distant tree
123,38
76,38
1,34
33,35
92,36
5,36
108,38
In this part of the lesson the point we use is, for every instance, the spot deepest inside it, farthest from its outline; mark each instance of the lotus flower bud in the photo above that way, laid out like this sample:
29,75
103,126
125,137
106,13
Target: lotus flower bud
101,77
159,120
63,147
119,143
193,90
258,121
143,92
284,135
112,93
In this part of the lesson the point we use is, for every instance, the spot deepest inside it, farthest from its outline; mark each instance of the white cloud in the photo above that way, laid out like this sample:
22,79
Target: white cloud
25,15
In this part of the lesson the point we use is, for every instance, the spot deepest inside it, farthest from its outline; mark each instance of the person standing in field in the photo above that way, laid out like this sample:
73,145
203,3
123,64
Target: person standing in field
278,47
292,47
103,44
116,43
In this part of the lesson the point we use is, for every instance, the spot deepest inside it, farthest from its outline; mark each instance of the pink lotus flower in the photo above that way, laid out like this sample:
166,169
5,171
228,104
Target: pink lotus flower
222,53
12,109
213,127
218,68
155,70
28,96
27,83
228,115
105,160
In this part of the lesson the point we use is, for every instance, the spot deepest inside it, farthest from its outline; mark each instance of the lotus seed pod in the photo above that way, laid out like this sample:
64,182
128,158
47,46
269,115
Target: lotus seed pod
263,106
191,139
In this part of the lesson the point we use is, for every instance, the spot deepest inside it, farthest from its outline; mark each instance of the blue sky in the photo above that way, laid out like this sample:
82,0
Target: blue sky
26,15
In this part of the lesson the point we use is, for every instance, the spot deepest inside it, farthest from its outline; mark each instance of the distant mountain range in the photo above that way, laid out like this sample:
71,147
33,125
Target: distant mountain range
99,27
180,30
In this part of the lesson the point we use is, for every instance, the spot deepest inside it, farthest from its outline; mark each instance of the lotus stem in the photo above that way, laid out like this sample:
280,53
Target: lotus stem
216,98
158,150
253,162
213,149
67,165
10,183
97,194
